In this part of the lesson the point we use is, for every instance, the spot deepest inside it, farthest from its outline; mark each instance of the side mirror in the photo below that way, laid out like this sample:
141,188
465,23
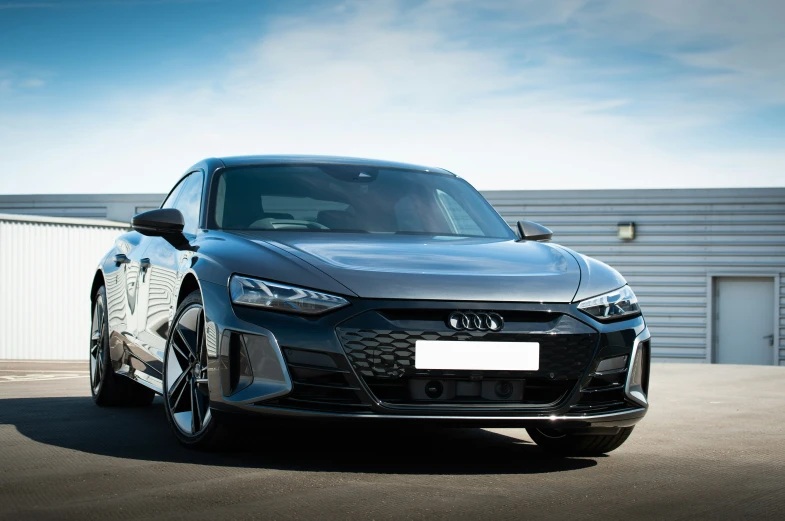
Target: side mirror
164,222
532,231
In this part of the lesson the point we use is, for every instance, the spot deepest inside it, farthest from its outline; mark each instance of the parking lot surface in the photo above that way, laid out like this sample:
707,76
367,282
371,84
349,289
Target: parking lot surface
712,446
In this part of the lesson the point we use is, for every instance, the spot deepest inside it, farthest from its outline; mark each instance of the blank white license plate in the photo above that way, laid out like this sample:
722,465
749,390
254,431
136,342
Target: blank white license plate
479,356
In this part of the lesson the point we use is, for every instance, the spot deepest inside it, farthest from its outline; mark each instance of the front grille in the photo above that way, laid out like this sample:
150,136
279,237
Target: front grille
384,358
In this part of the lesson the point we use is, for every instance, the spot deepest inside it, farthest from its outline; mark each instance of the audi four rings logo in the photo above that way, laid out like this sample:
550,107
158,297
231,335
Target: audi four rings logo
471,321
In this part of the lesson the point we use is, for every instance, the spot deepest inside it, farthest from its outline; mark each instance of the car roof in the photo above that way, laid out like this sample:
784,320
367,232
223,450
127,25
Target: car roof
334,160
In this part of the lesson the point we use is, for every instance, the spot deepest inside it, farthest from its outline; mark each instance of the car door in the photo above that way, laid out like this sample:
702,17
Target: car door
162,266
121,275
143,360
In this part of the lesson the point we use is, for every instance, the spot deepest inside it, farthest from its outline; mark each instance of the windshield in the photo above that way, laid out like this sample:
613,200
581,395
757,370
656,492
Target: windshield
351,198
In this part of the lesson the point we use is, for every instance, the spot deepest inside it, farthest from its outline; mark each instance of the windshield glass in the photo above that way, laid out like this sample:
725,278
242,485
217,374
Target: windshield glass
351,198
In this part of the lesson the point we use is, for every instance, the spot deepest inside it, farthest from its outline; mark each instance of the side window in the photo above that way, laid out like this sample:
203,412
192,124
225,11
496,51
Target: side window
220,199
190,202
169,202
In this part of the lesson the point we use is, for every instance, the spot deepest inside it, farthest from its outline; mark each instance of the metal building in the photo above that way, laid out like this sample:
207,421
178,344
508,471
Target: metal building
47,265
112,207
708,265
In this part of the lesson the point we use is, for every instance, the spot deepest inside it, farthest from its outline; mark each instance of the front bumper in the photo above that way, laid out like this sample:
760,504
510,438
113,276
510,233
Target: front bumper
357,364
579,422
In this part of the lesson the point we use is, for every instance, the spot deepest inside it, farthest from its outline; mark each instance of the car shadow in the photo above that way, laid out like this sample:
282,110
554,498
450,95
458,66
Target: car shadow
143,434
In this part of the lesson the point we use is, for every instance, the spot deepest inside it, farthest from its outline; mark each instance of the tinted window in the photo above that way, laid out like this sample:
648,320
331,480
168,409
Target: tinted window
172,198
190,202
344,198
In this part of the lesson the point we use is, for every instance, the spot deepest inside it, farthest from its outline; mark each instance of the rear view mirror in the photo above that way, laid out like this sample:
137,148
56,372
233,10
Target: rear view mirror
164,222
532,231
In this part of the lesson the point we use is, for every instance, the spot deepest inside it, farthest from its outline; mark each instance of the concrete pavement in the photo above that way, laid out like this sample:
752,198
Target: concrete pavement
712,446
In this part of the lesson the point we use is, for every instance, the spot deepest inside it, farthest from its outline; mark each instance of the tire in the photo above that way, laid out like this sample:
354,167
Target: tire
106,387
192,421
561,443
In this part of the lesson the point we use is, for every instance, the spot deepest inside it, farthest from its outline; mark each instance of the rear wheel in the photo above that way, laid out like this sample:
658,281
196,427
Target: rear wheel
106,387
186,392
562,443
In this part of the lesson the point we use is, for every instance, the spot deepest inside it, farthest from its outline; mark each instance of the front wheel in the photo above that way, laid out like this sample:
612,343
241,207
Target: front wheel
186,392
562,443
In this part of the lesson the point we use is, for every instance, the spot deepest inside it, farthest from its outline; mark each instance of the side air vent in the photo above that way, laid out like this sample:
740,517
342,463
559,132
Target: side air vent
236,372
321,381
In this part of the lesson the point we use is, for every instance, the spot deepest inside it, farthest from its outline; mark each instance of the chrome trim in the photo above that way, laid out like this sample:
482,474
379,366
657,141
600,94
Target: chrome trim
636,395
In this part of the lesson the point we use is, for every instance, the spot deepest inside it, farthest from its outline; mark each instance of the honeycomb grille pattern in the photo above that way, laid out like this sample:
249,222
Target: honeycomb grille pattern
390,354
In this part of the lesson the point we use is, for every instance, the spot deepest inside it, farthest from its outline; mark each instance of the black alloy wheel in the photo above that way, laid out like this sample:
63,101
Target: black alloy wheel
186,391
98,345
107,388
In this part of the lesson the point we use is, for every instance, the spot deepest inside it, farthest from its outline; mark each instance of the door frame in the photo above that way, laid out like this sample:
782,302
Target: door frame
711,347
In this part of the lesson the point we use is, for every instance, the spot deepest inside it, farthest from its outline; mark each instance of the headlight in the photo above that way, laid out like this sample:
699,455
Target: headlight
272,295
616,304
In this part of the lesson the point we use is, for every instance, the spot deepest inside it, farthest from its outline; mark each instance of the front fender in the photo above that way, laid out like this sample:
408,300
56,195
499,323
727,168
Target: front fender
596,277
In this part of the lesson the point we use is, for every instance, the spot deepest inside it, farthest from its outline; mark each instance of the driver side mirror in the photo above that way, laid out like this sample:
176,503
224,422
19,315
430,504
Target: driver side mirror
532,231
159,223
167,223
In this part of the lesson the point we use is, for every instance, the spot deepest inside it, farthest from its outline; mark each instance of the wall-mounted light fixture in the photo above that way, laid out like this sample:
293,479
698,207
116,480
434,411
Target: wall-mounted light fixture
626,231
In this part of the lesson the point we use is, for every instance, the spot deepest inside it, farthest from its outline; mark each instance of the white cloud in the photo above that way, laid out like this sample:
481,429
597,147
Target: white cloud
32,83
376,81
748,40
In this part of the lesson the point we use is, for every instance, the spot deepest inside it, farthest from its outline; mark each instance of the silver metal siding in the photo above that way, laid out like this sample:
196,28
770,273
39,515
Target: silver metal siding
116,207
46,269
681,237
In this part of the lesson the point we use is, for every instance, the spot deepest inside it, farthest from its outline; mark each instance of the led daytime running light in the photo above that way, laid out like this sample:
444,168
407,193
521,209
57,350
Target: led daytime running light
281,297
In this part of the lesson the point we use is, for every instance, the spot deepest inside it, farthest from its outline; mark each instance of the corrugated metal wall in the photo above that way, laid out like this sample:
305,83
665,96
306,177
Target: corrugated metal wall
115,207
682,236
46,267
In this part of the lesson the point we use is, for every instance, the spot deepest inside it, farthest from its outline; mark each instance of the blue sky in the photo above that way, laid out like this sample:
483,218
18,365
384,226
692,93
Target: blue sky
122,96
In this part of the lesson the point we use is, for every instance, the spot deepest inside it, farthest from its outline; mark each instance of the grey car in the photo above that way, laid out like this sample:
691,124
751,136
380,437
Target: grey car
367,291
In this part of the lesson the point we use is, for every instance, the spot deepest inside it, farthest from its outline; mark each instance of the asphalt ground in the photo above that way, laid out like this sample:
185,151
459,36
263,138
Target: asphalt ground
711,447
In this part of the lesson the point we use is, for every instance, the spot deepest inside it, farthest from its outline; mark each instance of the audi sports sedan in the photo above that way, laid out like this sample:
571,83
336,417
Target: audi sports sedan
353,289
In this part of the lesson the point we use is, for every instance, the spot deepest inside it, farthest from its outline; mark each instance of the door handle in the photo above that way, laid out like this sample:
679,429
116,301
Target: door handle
771,339
144,264
120,258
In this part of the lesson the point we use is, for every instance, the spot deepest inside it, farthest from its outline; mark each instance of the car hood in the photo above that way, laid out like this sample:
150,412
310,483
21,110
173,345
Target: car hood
434,268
